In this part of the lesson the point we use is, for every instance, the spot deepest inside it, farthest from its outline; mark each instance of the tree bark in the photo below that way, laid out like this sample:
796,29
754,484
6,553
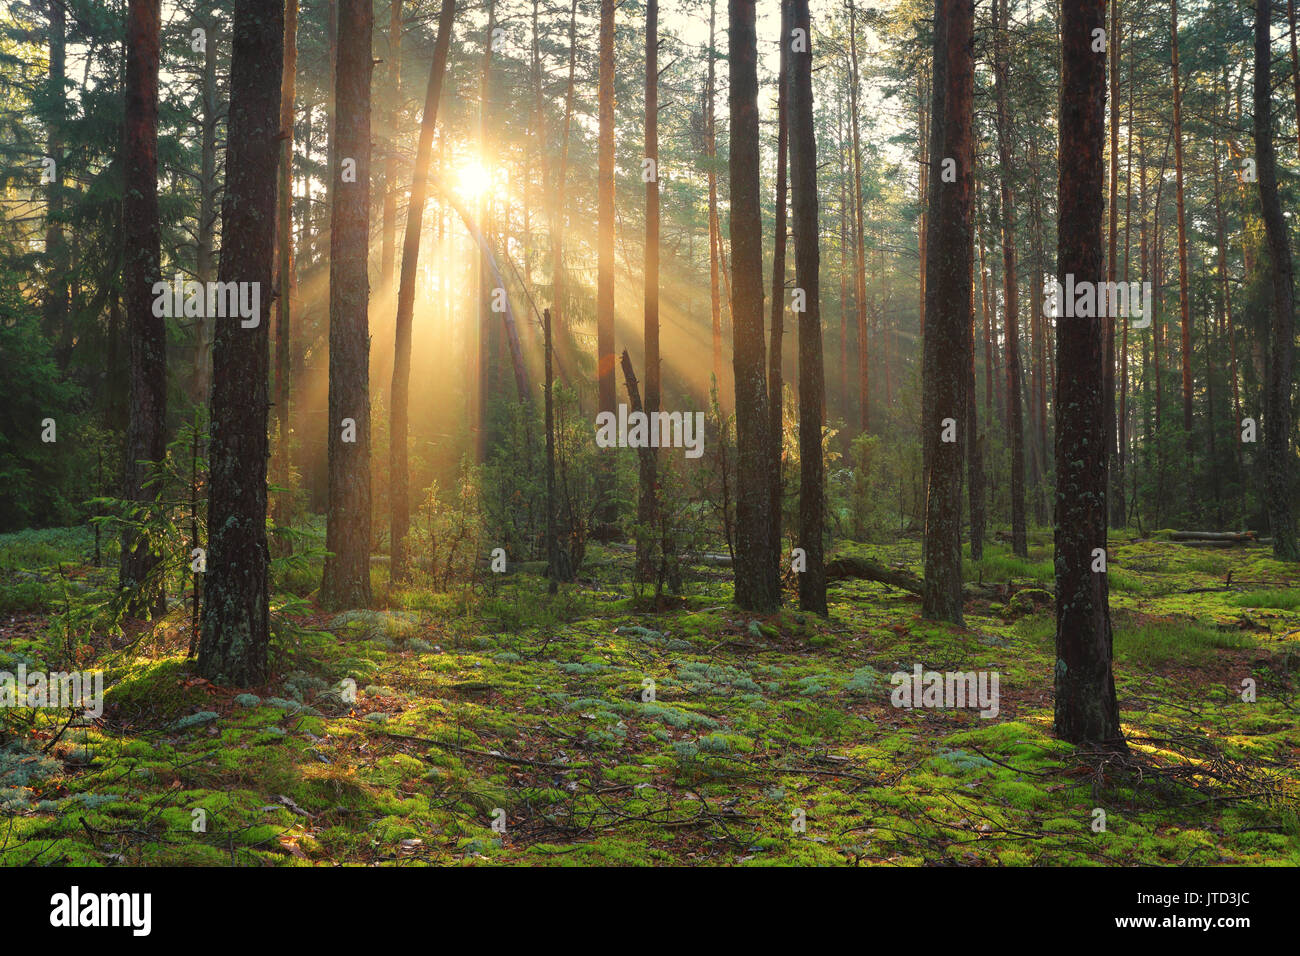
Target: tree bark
398,463
859,239
1010,305
606,398
757,586
1278,457
346,580
775,377
388,248
284,265
1086,710
146,440
235,618
715,228
948,320
807,266
1184,304
647,510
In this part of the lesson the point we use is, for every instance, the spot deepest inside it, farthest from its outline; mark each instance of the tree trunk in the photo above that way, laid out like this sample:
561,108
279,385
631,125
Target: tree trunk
1086,708
235,619
757,587
775,377
398,463
1278,457
347,570
647,512
388,248
715,228
948,319
1184,304
1010,304
859,243
1112,260
57,293
557,215
807,265
606,398
284,266
206,269
146,440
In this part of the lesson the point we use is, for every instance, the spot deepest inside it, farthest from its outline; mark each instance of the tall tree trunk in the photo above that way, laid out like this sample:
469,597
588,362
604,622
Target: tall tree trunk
948,317
388,248
605,212
1112,262
479,414
859,238
1184,303
807,265
561,179
146,440
715,228
1118,511
1086,707
757,586
398,463
1278,458
235,618
1295,63
57,293
647,512
284,266
206,266
1010,301
844,266
775,376
347,570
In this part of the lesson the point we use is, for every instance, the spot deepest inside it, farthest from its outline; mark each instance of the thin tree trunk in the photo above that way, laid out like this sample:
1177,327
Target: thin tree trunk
388,248
1015,425
1112,262
715,230
57,293
1184,303
398,463
146,440
284,267
860,269
1278,457
605,250
647,510
807,265
206,269
775,377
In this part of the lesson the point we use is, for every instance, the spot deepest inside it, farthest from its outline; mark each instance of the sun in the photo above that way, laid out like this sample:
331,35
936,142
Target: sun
473,178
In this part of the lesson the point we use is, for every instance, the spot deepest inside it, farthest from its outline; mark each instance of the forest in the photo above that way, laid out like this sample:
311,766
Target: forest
709,433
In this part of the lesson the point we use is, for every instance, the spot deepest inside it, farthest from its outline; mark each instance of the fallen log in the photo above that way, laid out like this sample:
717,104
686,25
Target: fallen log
1229,536
839,569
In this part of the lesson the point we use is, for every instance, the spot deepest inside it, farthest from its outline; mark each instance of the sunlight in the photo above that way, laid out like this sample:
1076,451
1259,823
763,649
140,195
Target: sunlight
473,178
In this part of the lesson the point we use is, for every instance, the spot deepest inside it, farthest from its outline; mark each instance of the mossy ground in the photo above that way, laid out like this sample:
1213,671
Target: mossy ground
506,703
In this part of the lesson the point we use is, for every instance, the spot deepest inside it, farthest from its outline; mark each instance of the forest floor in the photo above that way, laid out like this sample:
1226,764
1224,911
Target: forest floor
768,740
